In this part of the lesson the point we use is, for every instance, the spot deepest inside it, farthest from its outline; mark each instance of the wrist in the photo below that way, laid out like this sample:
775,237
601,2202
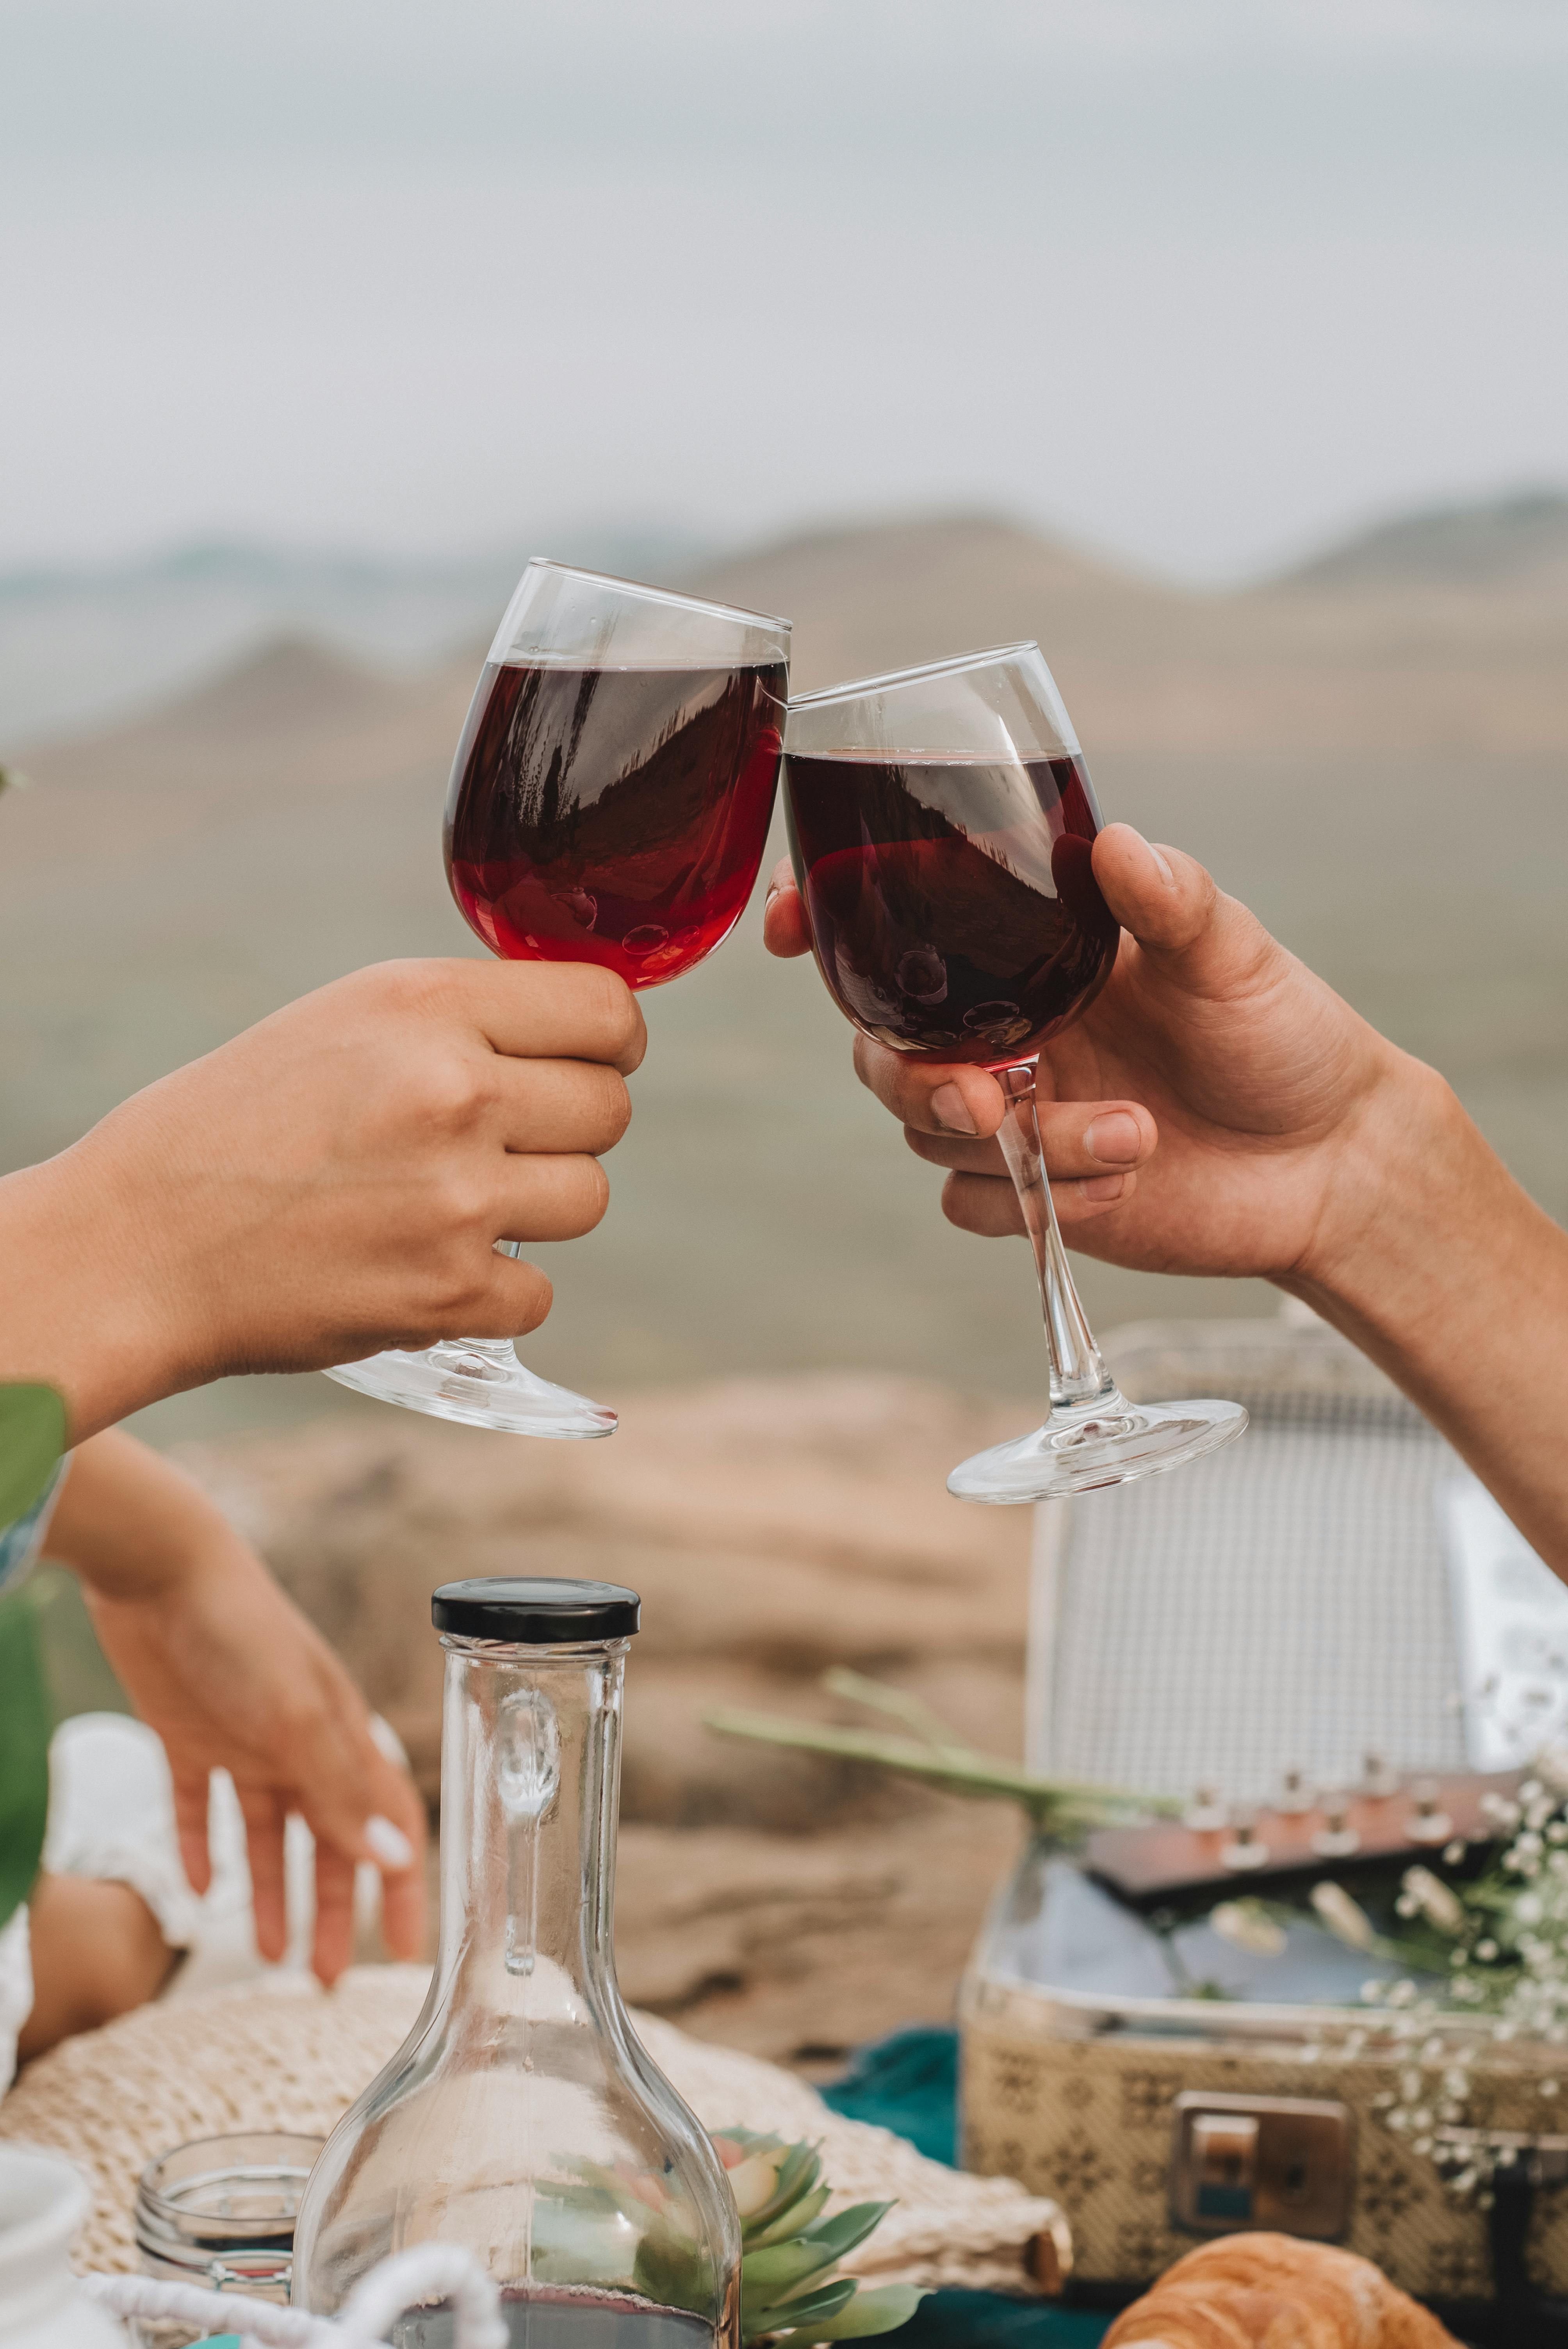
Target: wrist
136,1528
77,1310
1411,1181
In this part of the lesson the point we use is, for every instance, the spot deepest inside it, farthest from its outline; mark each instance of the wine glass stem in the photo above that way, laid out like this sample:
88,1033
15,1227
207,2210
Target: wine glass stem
1079,1375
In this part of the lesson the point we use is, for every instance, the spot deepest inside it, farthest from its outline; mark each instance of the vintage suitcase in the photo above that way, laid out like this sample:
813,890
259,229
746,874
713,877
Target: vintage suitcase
1239,1635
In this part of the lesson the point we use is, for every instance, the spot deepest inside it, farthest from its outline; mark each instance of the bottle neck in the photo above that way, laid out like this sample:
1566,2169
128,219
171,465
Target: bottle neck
531,1763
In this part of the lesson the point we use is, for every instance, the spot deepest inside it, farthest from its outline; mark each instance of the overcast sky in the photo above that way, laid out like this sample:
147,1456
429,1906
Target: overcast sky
1200,280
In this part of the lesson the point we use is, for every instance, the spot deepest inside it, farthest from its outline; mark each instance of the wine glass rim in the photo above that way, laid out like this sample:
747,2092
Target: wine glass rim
660,595
855,687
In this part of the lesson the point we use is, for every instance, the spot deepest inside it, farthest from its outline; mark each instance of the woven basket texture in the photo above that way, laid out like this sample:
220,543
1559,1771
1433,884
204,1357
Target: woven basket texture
282,2054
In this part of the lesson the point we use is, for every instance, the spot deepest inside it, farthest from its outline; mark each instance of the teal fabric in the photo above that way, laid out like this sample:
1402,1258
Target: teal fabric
909,2084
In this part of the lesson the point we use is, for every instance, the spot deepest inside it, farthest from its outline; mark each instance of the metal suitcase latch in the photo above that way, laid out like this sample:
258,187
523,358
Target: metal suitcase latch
1282,2162
1541,2160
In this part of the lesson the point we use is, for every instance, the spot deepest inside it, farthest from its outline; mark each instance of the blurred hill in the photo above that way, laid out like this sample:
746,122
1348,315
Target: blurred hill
1517,542
83,645
1373,758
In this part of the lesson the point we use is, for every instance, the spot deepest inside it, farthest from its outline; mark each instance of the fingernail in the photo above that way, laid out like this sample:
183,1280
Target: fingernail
1166,872
950,1109
1113,1139
1100,1187
388,1845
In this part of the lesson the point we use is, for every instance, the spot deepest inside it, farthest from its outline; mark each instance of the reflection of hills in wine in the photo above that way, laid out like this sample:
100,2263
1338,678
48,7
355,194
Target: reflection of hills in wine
931,936
535,775
968,897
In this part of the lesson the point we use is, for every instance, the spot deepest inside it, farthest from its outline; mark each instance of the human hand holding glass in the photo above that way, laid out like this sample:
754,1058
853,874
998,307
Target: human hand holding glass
942,830
609,803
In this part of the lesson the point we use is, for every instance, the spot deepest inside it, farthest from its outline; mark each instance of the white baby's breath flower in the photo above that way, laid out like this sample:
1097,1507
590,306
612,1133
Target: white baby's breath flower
1247,1925
1344,1918
1436,1902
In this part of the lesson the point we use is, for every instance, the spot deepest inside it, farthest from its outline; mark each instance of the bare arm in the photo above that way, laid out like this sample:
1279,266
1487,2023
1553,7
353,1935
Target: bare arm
232,1676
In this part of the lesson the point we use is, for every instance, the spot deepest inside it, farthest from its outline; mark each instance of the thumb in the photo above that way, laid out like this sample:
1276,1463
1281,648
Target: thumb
784,927
1205,941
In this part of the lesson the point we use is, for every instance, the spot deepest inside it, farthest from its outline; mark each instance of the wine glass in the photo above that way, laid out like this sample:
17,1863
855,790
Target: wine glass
609,803
941,825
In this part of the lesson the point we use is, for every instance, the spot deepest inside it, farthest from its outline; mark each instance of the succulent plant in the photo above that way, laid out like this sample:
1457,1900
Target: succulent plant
790,2249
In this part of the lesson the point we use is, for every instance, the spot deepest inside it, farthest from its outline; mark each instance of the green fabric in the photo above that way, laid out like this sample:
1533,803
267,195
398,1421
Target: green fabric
909,2084
32,1445
24,1751
32,1440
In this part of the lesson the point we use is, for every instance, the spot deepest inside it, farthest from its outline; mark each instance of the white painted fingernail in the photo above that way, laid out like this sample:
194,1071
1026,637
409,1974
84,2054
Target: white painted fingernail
388,1845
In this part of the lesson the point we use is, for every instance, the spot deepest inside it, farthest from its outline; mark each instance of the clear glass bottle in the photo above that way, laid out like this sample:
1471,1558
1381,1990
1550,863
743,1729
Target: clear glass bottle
520,2117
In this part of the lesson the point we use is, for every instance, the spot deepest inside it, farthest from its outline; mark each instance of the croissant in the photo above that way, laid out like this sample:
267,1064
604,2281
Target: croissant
1272,2291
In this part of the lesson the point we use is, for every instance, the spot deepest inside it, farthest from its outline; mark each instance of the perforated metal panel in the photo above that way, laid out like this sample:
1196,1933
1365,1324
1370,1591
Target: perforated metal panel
1285,1604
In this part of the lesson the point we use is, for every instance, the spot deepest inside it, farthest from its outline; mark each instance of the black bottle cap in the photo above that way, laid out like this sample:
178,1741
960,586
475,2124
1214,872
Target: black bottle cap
536,1612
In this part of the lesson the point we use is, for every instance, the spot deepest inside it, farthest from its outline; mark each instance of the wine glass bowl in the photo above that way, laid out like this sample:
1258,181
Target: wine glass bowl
950,893
609,803
941,825
613,806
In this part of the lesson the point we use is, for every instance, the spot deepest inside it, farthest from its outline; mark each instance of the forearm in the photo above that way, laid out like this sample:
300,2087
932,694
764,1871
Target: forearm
75,1313
134,1527
1441,1268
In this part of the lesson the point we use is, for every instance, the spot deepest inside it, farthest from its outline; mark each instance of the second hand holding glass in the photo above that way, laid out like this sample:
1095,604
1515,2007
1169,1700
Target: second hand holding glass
941,825
609,803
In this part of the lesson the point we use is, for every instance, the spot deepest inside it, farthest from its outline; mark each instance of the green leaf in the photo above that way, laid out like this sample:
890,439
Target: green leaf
839,2236
797,2173
881,2311
672,2270
814,2307
32,1439
781,2266
24,1752
793,2221
985,1776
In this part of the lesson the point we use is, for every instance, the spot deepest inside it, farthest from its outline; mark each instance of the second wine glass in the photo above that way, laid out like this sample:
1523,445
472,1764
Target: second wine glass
941,824
609,803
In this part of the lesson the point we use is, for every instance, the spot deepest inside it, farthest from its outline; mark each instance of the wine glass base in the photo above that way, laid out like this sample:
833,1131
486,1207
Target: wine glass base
479,1384
1111,1441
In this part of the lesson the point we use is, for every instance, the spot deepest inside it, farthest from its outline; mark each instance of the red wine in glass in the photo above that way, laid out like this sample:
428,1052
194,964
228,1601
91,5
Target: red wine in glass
952,901
612,815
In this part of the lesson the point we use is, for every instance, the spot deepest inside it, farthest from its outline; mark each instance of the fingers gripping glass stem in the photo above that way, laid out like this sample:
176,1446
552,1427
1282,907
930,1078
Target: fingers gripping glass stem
1093,1436
1079,1374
